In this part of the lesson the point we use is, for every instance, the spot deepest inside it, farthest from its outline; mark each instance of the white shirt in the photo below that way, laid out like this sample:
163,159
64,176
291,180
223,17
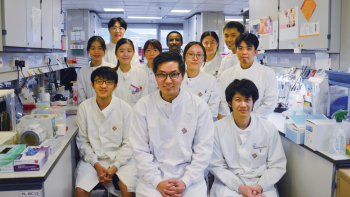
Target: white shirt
85,90
136,77
206,87
212,67
265,80
152,83
104,135
171,140
227,62
111,58
246,157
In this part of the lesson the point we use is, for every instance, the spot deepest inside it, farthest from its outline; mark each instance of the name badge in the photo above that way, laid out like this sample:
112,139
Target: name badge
134,88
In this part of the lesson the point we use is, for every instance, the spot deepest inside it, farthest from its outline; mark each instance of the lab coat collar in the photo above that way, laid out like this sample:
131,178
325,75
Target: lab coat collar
251,69
104,113
178,99
236,128
127,74
187,79
103,63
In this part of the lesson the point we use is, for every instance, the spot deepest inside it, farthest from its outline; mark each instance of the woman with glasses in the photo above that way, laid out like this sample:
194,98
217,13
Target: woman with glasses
96,47
210,41
151,49
117,28
198,82
132,80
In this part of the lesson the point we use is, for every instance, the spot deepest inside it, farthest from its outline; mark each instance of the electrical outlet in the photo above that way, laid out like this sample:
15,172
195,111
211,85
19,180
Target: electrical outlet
46,59
12,62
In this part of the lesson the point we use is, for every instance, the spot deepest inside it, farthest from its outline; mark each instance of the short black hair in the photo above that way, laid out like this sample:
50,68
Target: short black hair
245,87
249,38
212,34
235,24
98,39
154,43
169,57
119,20
189,45
167,37
104,72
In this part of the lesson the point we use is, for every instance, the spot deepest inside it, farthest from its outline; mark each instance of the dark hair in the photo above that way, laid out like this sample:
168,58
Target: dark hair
120,43
167,37
249,38
98,39
212,34
189,45
104,72
235,24
153,42
119,20
169,57
245,87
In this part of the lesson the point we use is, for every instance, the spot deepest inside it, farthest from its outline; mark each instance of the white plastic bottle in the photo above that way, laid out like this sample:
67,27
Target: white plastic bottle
337,142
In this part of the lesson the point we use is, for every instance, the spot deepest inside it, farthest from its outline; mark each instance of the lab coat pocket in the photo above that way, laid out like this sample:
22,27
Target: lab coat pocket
186,133
259,156
134,96
204,94
117,134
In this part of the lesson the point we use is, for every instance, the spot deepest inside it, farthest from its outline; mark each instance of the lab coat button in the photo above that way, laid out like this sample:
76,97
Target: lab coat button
169,141
165,168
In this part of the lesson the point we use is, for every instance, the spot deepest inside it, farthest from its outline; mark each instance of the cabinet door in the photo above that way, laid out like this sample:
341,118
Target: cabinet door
57,22
47,26
14,13
33,24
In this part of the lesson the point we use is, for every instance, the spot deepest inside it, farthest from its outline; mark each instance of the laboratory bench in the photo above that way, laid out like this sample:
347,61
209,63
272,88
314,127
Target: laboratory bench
309,173
56,178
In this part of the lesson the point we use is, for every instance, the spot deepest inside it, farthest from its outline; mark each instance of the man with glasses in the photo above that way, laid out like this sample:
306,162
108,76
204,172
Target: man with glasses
117,28
103,139
172,135
174,41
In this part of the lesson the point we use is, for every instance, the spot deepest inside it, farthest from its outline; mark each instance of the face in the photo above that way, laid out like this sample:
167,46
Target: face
174,41
210,45
169,88
125,53
241,105
246,53
103,91
194,62
96,51
151,53
230,35
117,31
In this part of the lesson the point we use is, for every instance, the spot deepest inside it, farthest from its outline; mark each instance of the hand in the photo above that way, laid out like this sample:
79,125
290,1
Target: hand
102,174
258,191
249,191
165,185
219,117
179,187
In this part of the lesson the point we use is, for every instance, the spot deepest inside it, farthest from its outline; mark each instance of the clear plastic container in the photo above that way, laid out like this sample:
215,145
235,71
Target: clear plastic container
28,104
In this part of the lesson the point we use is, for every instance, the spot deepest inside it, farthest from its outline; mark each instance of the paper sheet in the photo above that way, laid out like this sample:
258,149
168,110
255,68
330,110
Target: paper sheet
308,8
273,37
309,29
322,61
55,34
36,25
288,23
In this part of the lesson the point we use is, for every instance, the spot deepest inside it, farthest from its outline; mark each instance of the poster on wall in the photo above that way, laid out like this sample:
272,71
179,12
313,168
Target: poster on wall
273,37
288,23
265,26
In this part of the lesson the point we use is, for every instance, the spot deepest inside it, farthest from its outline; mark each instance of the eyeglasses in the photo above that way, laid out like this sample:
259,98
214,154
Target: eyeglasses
108,82
163,76
117,28
192,55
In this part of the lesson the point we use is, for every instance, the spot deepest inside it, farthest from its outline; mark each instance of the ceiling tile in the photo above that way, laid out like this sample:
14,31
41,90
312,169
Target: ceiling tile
109,4
163,4
69,7
134,3
194,1
211,6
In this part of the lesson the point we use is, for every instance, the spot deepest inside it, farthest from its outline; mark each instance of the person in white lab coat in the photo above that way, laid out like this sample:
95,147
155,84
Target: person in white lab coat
248,157
96,47
103,139
117,28
174,41
232,30
133,80
152,48
198,82
171,135
210,41
263,77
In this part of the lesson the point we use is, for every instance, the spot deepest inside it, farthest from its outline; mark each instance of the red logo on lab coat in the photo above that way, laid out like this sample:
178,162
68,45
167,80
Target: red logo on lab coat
133,92
254,155
114,128
200,94
184,130
36,161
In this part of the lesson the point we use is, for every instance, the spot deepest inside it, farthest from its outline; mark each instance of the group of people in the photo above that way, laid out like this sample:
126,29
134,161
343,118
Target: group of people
157,129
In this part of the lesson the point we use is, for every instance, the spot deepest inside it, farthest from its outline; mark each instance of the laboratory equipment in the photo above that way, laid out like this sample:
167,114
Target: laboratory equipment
34,134
337,142
43,95
7,154
8,130
45,120
59,99
33,158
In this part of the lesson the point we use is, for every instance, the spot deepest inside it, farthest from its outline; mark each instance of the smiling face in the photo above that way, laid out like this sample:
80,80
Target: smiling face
245,54
125,53
117,32
96,51
210,45
151,53
103,91
241,106
174,42
230,35
192,60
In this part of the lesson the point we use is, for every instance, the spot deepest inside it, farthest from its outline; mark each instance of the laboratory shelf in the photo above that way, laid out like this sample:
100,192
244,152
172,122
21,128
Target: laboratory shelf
330,82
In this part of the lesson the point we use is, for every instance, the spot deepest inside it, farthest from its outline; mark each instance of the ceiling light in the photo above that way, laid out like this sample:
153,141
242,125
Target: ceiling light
143,17
182,11
113,10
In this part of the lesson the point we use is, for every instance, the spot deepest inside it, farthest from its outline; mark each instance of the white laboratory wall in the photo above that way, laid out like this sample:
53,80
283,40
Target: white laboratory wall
95,24
213,21
57,22
344,35
33,30
47,24
194,28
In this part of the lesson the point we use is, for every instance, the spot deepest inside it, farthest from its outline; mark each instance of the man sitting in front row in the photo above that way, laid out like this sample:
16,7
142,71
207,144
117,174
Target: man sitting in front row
248,157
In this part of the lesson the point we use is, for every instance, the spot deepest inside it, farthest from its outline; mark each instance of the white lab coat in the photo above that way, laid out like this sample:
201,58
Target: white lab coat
111,58
152,83
212,67
171,141
206,87
246,157
136,77
227,62
104,137
265,80
85,91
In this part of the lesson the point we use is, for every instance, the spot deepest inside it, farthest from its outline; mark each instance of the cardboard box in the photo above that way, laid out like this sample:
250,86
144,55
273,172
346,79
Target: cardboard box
343,183
35,162
348,149
318,133
7,154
